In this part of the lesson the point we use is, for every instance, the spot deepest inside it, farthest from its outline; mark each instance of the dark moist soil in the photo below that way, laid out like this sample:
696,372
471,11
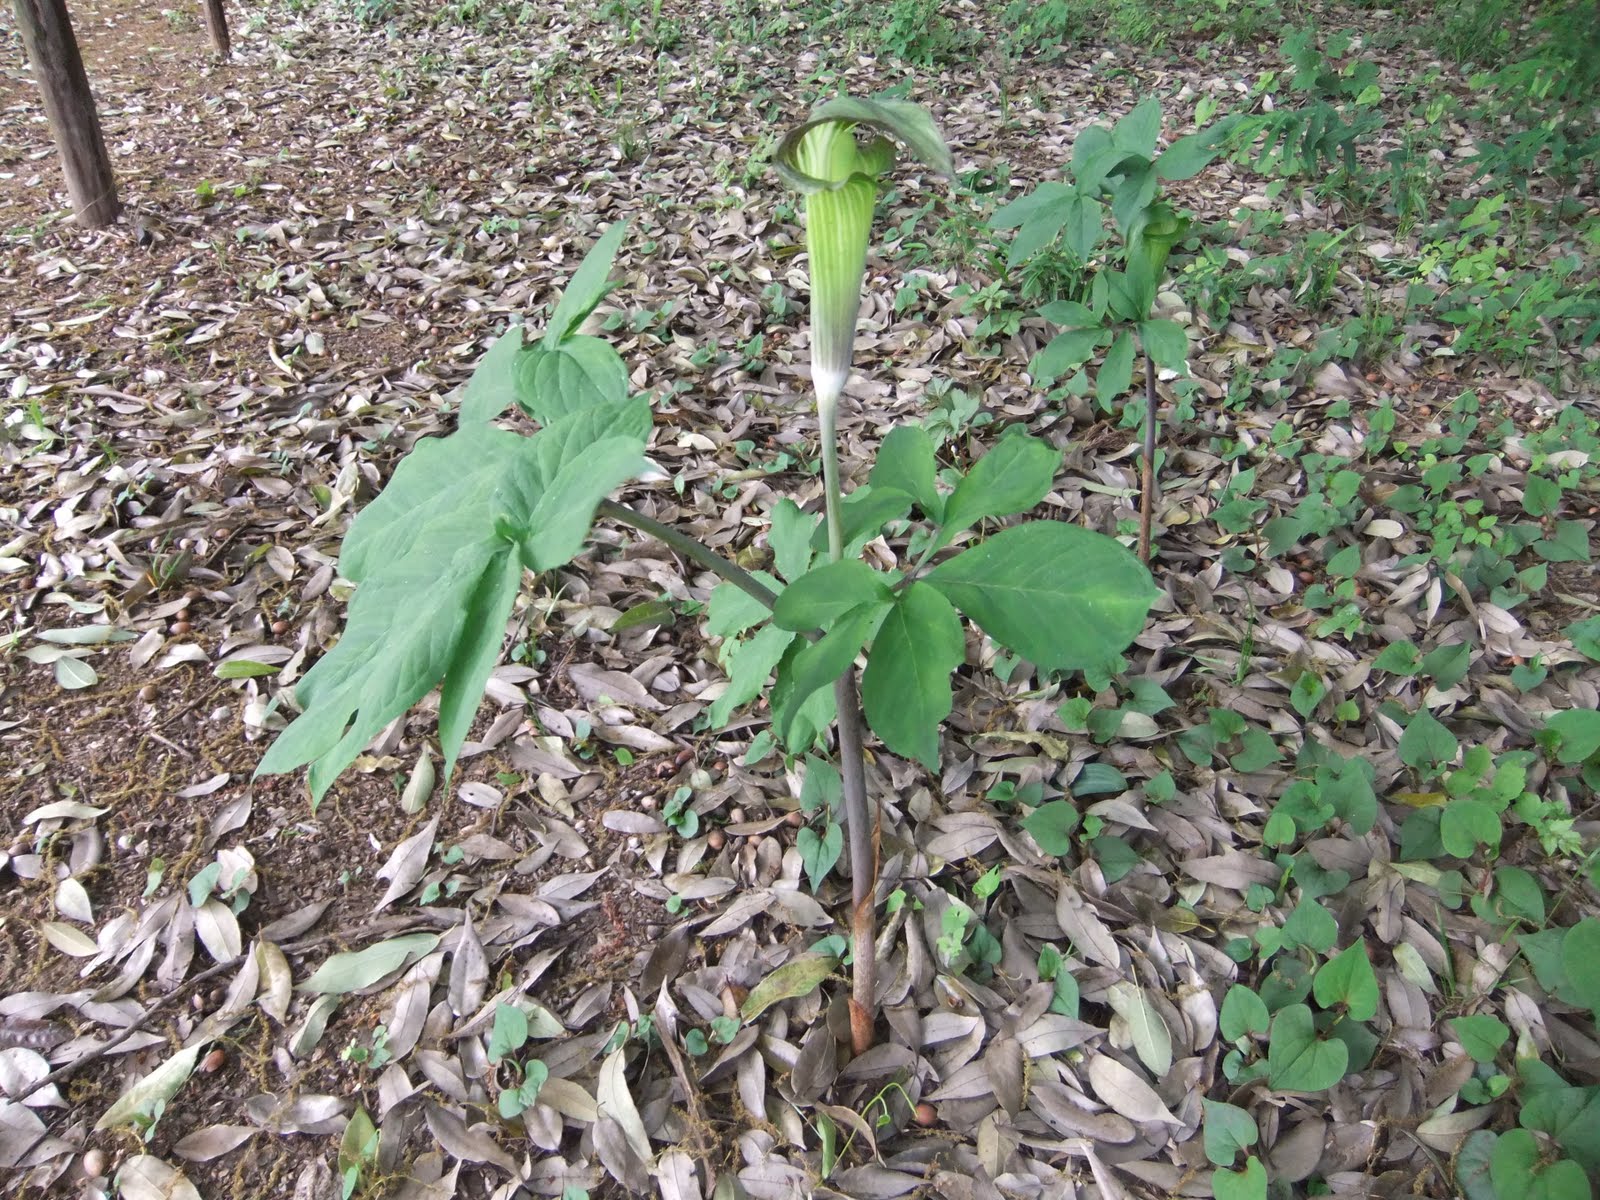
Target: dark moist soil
109,747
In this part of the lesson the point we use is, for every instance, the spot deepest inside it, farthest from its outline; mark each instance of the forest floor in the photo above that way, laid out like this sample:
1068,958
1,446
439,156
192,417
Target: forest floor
1329,779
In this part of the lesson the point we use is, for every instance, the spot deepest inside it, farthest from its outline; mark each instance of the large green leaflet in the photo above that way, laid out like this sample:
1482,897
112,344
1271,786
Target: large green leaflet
439,555
1061,596
905,691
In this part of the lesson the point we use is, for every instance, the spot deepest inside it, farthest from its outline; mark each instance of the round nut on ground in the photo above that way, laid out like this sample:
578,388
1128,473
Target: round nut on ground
795,819
179,628
735,816
926,1115
213,1062
94,1163
279,628
716,839
147,693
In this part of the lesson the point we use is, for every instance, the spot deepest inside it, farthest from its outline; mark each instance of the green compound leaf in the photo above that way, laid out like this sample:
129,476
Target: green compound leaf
1061,596
819,663
821,596
1297,1059
438,557
905,691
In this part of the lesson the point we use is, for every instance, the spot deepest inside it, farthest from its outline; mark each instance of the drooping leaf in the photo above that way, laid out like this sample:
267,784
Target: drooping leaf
748,665
1061,596
492,388
1116,372
826,593
1167,342
905,690
819,663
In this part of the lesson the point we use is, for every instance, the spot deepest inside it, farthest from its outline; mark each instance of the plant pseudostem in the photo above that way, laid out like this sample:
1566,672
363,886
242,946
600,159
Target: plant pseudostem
690,549
1148,467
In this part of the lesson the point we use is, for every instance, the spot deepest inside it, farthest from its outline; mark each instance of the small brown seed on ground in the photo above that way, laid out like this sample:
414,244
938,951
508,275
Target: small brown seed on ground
927,1116
213,1062
147,693
716,839
179,628
94,1164
796,819
279,628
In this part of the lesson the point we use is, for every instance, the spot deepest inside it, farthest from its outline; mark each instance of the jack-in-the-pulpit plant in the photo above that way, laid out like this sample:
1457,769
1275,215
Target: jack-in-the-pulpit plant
838,173
440,556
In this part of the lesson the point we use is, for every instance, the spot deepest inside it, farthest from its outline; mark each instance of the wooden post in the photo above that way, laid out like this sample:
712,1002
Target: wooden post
69,107
217,26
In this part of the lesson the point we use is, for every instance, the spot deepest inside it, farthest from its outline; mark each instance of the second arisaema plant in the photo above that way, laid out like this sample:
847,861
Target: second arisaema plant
441,556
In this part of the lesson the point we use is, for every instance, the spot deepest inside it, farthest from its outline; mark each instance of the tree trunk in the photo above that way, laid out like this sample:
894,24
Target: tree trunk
69,107
217,26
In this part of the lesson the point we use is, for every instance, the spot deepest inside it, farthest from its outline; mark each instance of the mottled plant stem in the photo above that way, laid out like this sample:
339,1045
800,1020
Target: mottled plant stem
859,814
689,548
1147,498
